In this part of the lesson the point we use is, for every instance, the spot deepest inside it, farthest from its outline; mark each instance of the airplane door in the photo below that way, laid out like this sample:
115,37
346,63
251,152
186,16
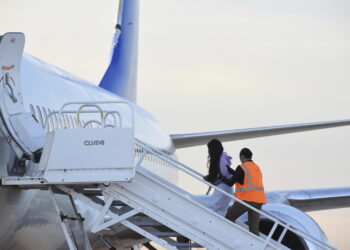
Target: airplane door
21,131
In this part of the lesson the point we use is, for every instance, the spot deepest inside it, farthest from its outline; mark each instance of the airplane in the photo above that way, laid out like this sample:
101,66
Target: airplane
29,219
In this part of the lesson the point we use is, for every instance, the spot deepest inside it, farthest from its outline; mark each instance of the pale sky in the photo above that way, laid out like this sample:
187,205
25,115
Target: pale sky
224,64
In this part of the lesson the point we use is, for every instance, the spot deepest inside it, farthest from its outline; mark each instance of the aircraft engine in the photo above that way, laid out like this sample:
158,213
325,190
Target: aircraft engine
296,218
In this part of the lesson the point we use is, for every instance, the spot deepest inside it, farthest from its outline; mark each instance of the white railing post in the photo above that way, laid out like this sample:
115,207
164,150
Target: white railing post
272,231
283,233
141,159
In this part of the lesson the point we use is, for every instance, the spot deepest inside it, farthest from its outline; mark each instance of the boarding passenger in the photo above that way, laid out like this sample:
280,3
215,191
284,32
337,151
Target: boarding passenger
249,188
219,164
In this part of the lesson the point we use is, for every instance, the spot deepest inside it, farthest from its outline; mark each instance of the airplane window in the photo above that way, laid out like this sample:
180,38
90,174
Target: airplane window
40,116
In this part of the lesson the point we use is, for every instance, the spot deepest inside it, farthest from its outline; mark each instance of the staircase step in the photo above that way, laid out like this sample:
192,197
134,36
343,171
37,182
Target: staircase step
118,203
178,244
166,234
147,223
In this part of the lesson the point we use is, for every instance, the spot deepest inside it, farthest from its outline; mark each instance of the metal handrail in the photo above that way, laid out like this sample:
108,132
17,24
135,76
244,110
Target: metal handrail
115,120
51,115
97,102
277,221
94,103
92,121
129,104
89,105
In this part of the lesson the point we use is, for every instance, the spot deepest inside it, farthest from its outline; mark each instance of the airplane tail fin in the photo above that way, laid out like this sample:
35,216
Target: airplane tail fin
121,74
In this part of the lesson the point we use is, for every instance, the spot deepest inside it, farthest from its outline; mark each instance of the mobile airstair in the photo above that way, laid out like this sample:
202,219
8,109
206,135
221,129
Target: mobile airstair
93,161
100,169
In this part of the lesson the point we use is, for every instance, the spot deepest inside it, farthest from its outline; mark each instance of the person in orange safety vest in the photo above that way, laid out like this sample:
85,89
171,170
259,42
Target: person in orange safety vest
249,188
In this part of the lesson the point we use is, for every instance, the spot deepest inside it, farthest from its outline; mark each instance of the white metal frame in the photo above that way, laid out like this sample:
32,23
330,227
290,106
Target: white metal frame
95,104
104,114
103,167
100,225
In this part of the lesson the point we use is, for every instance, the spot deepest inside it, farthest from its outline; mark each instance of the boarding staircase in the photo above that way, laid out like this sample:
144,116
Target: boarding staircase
100,169
94,163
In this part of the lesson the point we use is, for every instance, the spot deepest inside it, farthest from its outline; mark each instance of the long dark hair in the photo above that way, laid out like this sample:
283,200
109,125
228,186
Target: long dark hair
215,150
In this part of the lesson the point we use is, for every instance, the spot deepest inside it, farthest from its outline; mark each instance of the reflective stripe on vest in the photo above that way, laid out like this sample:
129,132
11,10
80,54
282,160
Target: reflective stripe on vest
249,180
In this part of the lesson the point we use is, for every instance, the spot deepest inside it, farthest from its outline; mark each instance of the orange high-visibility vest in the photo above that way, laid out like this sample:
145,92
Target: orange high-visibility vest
253,187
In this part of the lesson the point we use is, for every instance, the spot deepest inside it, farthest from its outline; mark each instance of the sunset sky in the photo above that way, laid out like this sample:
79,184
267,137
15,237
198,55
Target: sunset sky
224,64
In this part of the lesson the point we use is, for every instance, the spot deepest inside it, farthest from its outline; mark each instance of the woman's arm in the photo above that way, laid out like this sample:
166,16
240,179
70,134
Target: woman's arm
225,163
237,176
